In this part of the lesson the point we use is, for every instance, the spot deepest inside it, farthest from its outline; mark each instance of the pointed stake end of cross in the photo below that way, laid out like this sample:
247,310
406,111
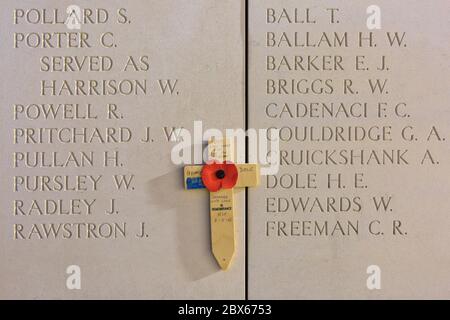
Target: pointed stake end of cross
223,261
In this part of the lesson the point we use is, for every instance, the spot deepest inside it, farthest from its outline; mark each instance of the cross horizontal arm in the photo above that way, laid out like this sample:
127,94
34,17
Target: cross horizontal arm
248,176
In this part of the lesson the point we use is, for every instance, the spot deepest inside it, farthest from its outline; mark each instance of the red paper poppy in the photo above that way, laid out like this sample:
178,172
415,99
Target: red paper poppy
217,175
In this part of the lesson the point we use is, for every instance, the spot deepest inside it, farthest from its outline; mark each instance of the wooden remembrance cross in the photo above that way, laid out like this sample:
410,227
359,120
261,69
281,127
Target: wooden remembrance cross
220,176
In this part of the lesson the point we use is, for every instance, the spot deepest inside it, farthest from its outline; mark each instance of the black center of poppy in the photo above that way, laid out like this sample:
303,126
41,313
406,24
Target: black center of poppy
220,174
